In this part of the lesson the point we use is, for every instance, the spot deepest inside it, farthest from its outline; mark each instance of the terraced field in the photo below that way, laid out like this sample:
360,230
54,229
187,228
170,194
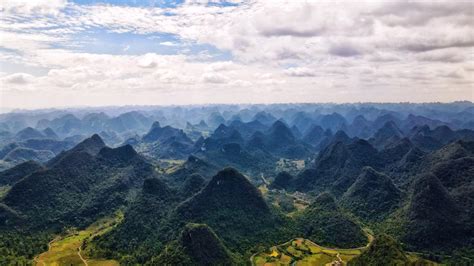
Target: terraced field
67,250
302,252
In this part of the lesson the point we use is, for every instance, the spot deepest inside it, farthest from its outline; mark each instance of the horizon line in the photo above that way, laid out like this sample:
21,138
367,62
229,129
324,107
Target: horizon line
16,109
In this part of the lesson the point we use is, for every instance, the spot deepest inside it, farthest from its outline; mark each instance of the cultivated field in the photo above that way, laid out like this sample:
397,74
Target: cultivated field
67,250
303,252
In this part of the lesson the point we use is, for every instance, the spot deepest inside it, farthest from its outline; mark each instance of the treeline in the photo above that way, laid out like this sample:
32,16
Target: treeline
19,248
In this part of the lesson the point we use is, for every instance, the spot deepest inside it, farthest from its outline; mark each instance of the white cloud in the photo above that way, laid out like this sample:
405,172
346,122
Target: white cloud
211,77
147,61
300,72
344,50
27,42
32,6
17,79
168,44
221,66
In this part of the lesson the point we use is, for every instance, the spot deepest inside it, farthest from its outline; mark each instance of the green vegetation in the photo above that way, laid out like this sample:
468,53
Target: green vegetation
188,212
19,248
143,233
384,250
282,180
323,222
290,166
229,204
73,248
80,187
372,196
243,219
303,252
197,245
14,174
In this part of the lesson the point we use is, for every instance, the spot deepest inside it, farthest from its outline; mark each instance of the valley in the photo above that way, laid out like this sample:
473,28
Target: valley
303,252
236,132
226,185
68,249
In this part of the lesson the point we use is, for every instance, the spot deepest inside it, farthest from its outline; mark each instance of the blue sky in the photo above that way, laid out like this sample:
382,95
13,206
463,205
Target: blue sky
83,52
102,41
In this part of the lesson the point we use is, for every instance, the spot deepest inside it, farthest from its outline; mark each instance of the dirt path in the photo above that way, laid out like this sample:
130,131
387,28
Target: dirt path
338,262
370,238
37,259
80,256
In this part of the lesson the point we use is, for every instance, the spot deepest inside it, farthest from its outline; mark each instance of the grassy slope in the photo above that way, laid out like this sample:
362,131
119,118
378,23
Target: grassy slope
303,252
64,250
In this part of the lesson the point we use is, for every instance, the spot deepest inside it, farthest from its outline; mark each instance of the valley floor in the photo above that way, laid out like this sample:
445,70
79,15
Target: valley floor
300,251
67,250
303,252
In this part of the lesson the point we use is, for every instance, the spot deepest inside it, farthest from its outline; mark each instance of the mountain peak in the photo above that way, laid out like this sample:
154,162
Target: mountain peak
433,216
397,150
372,194
280,134
120,154
360,119
386,135
228,200
48,132
162,134
197,244
95,137
389,129
322,220
341,136
155,124
315,135
203,246
223,131
90,145
264,117
279,123
334,121
229,176
231,189
29,133
429,191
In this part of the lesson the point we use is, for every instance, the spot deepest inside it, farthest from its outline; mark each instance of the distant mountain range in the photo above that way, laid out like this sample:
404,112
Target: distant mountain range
213,185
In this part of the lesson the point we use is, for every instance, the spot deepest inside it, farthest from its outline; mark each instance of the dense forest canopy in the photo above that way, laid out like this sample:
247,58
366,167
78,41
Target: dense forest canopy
217,184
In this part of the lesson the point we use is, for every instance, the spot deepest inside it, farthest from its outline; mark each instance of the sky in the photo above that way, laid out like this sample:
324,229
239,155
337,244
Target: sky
59,53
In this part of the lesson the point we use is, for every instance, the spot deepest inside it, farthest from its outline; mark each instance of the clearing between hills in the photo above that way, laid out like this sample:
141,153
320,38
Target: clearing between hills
67,250
302,252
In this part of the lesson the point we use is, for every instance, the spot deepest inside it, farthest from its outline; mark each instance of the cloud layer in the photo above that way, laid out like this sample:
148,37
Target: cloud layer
55,53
